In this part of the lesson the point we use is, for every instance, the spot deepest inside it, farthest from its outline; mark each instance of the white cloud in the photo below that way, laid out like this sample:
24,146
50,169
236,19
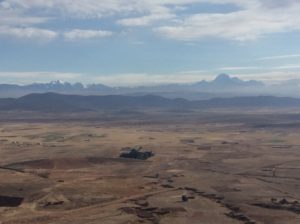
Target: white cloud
251,19
242,25
86,34
143,79
145,20
30,77
125,79
283,67
262,68
28,33
239,68
270,77
195,72
288,56
18,20
16,23
247,24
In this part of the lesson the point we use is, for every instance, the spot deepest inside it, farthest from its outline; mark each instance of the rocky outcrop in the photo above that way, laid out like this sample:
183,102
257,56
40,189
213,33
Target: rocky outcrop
136,153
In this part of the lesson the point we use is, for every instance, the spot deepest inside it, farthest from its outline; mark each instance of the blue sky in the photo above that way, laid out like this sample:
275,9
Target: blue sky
146,42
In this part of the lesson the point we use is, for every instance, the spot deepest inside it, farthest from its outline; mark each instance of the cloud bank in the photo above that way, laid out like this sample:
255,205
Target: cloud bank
248,20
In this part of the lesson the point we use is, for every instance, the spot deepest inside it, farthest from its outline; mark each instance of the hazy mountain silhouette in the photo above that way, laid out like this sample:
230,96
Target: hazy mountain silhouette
224,82
222,86
58,102
53,102
221,81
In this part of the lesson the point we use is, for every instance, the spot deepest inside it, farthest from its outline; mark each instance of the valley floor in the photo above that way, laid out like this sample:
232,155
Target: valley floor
210,171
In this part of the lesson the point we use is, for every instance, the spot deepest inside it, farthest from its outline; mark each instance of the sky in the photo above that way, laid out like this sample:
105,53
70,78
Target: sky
148,42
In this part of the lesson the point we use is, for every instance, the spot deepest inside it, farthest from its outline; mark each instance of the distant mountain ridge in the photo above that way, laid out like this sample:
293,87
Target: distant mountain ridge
222,86
54,86
222,82
53,102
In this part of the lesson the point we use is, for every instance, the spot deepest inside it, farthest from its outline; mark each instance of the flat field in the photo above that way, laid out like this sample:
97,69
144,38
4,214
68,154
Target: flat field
221,168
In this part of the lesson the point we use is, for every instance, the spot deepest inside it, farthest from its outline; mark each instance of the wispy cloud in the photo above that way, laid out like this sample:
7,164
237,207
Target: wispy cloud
193,72
142,79
31,77
271,77
262,68
28,33
239,68
86,34
287,56
123,79
250,23
145,79
286,67
145,20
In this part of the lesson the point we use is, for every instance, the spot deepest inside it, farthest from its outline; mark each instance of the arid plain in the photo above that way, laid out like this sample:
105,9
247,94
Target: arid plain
229,167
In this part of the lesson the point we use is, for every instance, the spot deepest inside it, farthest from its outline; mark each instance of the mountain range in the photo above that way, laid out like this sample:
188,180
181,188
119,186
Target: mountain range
53,102
224,81
222,86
